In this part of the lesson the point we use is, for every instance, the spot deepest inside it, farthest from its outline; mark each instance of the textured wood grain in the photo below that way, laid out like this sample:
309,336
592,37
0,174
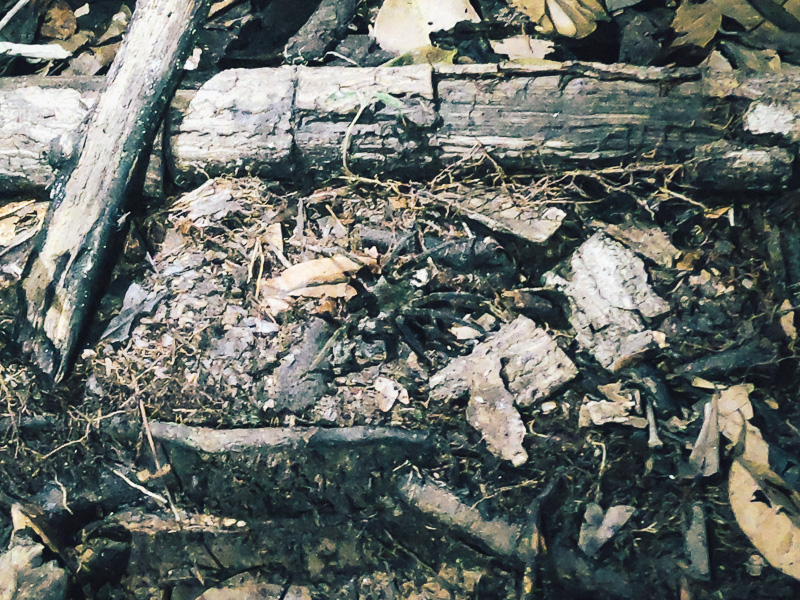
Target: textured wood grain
62,273
730,130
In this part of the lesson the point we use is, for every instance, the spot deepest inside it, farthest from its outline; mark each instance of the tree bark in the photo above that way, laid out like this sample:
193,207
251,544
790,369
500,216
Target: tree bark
62,273
727,130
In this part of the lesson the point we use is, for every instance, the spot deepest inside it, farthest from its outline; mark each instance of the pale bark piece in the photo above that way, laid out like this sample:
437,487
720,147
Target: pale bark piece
491,411
535,367
696,543
62,274
501,212
23,575
240,121
610,301
646,240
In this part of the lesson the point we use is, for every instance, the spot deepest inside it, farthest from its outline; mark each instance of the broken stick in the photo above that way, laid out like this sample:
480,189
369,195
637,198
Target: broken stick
64,271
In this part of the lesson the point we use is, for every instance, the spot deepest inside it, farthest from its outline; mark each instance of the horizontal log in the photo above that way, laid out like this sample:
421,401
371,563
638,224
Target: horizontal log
730,130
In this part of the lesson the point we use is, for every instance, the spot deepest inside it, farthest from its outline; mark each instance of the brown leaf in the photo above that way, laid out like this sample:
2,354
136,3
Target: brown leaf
696,24
59,22
570,18
768,512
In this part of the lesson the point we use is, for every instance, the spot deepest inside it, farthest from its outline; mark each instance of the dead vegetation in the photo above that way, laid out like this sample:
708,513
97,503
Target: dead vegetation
385,310
567,381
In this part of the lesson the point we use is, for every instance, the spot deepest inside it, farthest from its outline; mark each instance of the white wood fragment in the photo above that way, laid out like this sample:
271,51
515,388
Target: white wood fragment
491,411
610,300
535,366
34,51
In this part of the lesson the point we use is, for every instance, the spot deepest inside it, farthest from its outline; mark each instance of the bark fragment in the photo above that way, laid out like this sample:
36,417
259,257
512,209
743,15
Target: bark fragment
535,366
610,301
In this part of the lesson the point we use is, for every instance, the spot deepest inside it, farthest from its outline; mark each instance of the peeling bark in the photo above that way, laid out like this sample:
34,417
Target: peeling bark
63,272
729,131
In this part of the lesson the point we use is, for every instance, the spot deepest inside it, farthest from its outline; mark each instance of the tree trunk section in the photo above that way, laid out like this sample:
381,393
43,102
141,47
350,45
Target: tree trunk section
726,131
62,273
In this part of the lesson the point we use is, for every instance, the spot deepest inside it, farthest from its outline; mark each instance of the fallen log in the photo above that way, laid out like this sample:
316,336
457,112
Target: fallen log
61,275
727,130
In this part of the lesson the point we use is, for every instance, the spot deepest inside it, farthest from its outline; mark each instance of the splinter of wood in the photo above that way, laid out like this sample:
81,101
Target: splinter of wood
61,276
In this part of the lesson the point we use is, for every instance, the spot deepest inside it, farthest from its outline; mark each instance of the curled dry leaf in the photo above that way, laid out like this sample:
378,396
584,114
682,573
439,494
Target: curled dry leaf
696,24
405,25
322,277
570,18
768,511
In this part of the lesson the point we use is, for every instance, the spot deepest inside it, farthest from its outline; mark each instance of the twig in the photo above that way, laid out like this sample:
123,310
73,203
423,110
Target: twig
63,495
142,489
10,14
149,434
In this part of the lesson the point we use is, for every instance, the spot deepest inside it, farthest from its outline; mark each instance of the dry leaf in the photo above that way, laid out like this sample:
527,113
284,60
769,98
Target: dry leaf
59,22
787,320
734,409
599,527
405,25
704,459
570,18
686,262
696,24
740,11
768,512
320,271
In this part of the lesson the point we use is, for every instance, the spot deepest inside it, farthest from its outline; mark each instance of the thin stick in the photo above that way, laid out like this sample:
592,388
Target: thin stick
10,14
136,486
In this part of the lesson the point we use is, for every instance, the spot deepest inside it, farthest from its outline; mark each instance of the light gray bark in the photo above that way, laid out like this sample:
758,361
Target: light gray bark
728,130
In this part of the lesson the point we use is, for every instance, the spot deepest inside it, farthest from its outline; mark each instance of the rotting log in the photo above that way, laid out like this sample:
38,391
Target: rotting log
729,130
62,273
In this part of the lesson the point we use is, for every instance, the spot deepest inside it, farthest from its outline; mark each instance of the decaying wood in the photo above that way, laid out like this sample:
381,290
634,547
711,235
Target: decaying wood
498,536
215,441
322,30
729,130
610,301
533,364
62,273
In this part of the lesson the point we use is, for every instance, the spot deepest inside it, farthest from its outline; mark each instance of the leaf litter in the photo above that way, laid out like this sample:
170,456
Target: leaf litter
405,313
